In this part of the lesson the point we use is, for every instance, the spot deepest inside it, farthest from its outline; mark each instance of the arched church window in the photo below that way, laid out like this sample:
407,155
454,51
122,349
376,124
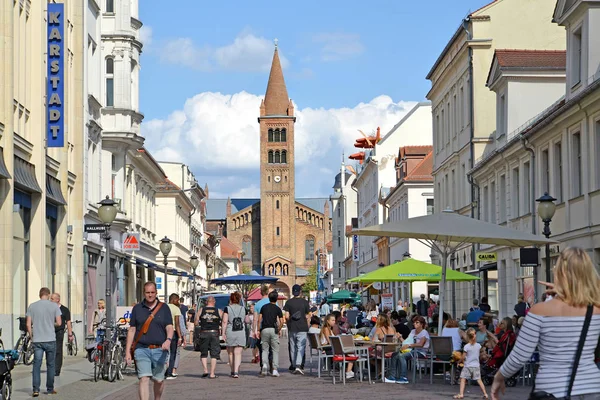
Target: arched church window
270,156
278,269
284,135
277,136
285,269
247,248
309,248
271,269
284,157
277,157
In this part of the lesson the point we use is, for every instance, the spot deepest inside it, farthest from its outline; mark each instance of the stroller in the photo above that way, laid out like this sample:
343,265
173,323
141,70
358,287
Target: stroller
499,354
8,359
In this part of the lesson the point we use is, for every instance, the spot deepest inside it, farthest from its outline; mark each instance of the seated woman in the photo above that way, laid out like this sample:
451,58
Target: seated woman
398,367
326,332
458,336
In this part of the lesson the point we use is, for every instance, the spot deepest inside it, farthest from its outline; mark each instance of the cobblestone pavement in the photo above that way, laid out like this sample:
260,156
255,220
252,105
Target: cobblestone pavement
190,385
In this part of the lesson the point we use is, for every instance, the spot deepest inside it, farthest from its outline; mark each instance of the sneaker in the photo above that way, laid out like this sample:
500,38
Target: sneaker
292,368
170,377
402,381
51,392
299,371
349,375
386,380
175,375
35,394
263,370
275,373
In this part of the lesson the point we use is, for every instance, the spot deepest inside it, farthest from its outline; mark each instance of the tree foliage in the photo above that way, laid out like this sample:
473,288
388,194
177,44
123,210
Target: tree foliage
311,280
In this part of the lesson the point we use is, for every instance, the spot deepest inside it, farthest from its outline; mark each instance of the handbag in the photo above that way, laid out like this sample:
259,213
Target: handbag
586,324
144,329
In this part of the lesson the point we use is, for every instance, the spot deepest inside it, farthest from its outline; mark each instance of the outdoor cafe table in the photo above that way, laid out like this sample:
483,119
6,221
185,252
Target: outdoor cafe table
363,346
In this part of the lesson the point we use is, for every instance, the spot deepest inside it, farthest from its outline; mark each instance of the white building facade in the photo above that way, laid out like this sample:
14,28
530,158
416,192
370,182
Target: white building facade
343,206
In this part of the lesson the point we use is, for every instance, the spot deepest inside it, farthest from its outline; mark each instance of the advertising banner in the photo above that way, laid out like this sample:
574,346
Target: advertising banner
55,117
355,248
123,315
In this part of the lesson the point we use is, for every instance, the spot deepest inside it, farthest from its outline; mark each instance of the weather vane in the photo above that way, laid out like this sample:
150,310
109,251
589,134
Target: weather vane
276,41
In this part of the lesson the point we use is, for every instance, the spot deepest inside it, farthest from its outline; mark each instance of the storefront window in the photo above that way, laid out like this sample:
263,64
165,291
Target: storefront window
525,284
21,227
51,215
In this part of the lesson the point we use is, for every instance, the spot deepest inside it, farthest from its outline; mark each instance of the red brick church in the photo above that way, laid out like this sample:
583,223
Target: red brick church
277,234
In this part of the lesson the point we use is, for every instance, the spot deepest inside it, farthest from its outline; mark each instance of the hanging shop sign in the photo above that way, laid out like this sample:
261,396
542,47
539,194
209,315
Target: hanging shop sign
355,248
486,257
55,116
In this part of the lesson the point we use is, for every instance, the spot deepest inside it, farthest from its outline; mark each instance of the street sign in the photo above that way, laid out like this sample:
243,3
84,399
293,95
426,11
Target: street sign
94,228
158,281
131,242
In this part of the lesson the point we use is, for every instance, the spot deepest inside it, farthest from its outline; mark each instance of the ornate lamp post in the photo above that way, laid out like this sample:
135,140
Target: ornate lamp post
107,212
165,249
194,264
546,210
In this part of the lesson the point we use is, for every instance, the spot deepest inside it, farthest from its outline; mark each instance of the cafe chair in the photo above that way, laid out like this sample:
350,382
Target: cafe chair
316,346
341,356
441,352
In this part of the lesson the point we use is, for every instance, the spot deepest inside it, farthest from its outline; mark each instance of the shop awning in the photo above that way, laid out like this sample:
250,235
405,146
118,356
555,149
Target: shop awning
53,191
25,176
3,170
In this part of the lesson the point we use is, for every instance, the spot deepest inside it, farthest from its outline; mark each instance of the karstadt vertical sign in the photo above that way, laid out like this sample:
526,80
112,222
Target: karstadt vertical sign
55,119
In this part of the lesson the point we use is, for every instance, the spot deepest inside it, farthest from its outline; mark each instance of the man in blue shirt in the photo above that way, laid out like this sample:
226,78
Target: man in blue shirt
475,314
264,292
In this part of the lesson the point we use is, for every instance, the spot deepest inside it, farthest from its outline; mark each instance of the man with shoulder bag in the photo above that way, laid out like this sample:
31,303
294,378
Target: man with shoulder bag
149,340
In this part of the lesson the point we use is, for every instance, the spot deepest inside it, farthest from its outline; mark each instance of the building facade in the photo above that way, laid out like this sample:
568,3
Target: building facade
41,187
463,108
279,235
555,151
343,210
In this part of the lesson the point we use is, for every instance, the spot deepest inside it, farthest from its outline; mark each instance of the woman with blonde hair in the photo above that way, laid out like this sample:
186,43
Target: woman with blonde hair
383,326
556,328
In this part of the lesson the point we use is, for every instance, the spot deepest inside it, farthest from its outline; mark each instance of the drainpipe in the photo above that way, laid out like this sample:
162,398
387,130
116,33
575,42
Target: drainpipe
531,151
475,192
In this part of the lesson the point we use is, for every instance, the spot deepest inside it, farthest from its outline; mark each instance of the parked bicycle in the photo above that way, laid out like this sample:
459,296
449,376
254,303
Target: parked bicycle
72,344
8,359
24,344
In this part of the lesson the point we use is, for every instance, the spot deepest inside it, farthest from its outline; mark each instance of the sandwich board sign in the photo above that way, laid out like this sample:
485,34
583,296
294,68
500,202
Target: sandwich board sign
131,242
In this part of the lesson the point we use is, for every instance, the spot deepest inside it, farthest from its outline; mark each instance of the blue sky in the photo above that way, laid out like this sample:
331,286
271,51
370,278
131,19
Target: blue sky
348,66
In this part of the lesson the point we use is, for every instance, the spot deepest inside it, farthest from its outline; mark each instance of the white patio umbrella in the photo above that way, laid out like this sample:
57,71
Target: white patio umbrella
447,231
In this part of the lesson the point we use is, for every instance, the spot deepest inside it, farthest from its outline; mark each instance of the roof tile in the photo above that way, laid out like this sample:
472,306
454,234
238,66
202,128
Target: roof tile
551,59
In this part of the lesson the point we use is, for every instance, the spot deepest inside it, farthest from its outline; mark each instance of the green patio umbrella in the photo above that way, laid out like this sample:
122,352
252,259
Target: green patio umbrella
411,270
342,296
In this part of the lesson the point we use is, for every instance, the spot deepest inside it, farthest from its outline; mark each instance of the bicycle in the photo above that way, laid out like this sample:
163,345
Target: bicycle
24,344
72,344
99,355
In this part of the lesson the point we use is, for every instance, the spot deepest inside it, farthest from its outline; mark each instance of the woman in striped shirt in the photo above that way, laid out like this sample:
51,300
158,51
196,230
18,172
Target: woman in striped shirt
555,326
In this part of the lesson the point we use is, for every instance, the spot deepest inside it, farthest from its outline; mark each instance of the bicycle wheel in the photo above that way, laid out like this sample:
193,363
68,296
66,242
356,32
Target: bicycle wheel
114,369
19,348
97,370
74,346
28,357
123,361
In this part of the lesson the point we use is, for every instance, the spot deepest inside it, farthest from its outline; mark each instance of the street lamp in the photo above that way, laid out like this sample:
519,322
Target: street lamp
209,272
546,210
194,264
165,249
107,212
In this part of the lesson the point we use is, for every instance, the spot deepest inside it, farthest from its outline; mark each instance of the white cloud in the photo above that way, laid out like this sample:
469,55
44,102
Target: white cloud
251,191
218,136
248,53
338,46
146,36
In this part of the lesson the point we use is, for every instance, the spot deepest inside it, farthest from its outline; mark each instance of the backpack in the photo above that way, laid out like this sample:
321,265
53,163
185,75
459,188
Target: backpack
237,324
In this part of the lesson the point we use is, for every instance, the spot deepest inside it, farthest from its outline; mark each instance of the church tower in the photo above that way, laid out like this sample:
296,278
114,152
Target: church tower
277,197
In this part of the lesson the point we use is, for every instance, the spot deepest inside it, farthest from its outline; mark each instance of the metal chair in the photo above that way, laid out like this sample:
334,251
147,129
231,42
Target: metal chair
349,347
315,345
340,356
441,351
418,358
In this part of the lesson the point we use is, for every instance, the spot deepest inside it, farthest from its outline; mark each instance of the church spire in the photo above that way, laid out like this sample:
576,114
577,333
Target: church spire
276,100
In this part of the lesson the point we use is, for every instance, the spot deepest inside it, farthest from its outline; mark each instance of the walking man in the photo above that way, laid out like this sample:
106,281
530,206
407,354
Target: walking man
422,306
264,292
150,335
297,314
184,333
60,332
270,320
177,334
210,318
45,317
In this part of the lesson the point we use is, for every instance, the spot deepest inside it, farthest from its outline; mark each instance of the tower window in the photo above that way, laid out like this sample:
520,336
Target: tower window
277,230
284,157
269,178
277,157
277,204
110,69
270,156
284,135
277,136
270,135
110,6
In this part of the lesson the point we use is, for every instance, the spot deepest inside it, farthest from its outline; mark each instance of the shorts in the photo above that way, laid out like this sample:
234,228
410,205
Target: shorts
252,342
471,373
151,362
209,342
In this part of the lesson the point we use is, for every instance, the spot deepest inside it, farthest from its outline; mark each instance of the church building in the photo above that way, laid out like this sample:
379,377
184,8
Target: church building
278,234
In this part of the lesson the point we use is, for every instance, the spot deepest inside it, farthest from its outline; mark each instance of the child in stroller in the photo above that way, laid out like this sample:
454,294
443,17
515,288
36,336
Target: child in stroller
499,353
7,363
